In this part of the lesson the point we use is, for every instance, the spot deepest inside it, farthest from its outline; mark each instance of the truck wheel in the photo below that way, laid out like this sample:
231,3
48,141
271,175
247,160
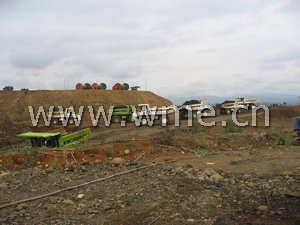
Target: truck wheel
116,119
164,121
144,121
183,115
251,106
241,111
130,119
205,112
194,115
71,121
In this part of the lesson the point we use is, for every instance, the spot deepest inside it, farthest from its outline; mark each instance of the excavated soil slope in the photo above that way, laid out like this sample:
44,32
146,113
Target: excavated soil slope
15,104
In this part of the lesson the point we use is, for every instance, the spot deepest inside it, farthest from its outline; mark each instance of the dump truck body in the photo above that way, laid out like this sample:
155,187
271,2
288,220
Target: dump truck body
228,106
42,139
56,139
75,138
196,108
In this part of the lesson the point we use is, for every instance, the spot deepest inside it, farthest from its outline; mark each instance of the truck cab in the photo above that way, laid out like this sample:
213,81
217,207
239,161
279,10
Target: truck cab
145,112
122,113
196,107
58,117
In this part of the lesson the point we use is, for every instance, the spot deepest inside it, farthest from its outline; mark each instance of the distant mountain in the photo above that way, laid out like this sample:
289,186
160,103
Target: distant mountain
280,98
266,99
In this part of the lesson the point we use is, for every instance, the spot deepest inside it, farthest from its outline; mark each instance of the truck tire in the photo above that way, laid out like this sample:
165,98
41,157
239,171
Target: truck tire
116,119
194,114
183,115
251,106
241,111
55,122
164,121
205,112
130,119
186,116
71,121
144,121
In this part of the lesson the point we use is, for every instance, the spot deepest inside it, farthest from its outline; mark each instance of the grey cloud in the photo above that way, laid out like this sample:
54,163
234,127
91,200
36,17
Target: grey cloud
238,85
43,43
279,61
31,59
291,6
110,51
271,66
286,56
297,63
191,10
114,69
206,50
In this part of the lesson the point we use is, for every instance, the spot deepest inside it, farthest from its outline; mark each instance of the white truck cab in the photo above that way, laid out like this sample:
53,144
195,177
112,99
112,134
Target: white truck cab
145,113
58,117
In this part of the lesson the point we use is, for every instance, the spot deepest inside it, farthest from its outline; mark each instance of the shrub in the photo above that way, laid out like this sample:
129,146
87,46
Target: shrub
154,150
231,127
8,88
280,138
108,151
286,139
167,137
197,127
30,162
25,90
203,141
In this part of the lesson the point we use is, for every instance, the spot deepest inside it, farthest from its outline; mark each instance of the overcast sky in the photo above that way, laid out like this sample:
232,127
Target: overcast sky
181,47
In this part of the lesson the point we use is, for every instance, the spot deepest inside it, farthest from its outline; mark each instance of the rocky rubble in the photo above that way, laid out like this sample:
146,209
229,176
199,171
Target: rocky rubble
165,194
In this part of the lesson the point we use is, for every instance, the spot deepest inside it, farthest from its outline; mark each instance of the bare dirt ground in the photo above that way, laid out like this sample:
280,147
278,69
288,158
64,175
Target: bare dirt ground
203,176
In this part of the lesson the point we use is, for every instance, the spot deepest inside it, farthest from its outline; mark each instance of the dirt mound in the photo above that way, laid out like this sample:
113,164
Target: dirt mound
5,123
15,104
283,112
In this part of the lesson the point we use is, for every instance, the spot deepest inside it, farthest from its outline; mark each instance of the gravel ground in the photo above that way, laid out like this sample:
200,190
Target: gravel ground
163,194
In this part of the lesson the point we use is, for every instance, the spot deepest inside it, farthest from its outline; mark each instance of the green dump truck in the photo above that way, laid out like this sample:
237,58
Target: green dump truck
56,139
122,113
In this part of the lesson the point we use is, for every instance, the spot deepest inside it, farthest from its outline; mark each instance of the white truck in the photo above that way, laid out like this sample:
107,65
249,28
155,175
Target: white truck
195,107
228,106
58,117
147,115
